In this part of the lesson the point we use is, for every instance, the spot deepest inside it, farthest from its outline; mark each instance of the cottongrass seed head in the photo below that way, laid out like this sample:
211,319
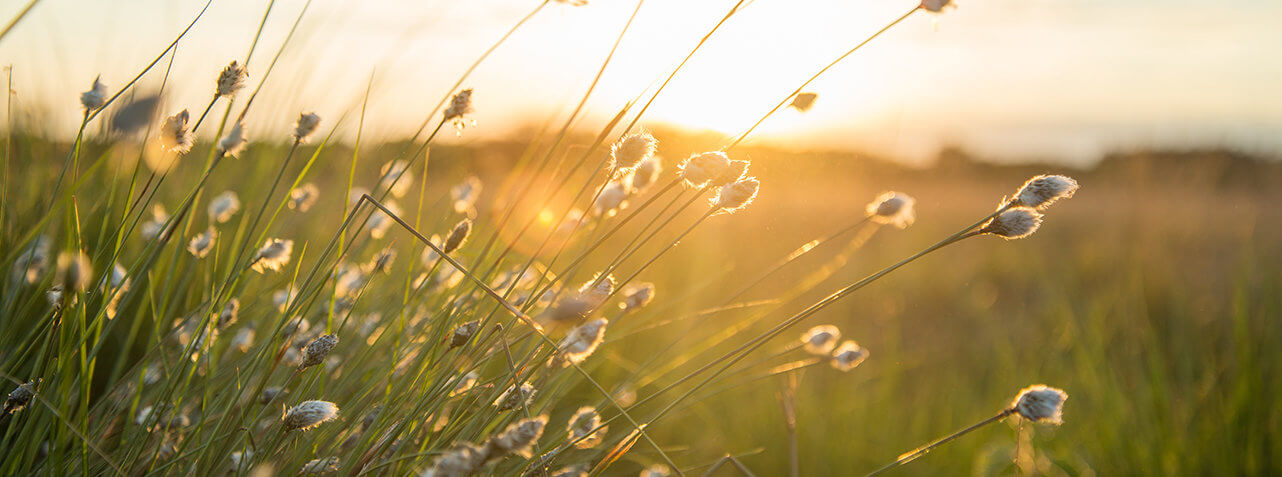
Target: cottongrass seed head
234,142
515,397
935,6
20,397
646,173
202,243
74,271
1040,403
96,97
460,107
632,149
305,126
320,466
303,197
224,206
458,236
461,460
821,340
273,255
636,296
466,193
656,470
1042,191
848,355
612,198
803,101
582,341
1012,224
463,333
583,425
316,351
699,169
231,80
175,135
894,208
518,438
309,414
737,195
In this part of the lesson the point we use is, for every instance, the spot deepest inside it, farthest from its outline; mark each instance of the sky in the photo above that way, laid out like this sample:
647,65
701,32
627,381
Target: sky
1008,80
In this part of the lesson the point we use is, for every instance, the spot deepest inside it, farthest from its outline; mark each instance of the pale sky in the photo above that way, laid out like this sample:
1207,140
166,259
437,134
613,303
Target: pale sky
1007,79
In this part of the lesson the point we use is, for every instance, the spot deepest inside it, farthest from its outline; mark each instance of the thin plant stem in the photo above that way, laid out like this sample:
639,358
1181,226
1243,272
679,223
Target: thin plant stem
923,450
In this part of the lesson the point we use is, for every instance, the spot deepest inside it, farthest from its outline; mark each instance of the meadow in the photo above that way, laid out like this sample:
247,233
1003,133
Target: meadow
573,301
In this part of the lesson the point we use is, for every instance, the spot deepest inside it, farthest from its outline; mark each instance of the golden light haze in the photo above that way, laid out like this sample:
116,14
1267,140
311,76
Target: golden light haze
1008,79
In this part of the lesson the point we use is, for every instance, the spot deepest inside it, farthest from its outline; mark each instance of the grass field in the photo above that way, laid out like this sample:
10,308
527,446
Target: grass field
426,283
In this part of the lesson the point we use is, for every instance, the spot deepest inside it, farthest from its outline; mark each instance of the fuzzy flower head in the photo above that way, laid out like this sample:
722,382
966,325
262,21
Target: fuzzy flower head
305,126
74,271
656,470
229,314
316,351
96,97
465,383
646,173
803,101
636,296
935,6
465,194
821,339
224,206
737,195
320,466
464,332
892,208
458,235
519,437
152,228
1040,403
460,106
19,397
395,177
202,243
515,397
380,222
273,255
234,142
735,172
582,341
612,198
583,425
309,414
1042,191
461,460
699,169
1012,224
231,80
848,355
633,149
303,197
175,135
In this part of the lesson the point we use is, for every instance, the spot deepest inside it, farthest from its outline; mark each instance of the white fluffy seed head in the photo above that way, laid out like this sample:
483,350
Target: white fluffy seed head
656,470
1015,223
152,228
515,397
234,142
224,206
1042,191
583,425
636,296
202,243
320,466
1040,403
612,198
19,397
460,107
175,136
74,271
892,208
466,193
935,6
396,178
306,125
303,197
316,351
737,195
519,437
273,255
646,174
461,460
458,236
803,101
380,222
309,414
96,97
582,341
848,355
734,172
632,149
699,169
464,332
821,339
231,80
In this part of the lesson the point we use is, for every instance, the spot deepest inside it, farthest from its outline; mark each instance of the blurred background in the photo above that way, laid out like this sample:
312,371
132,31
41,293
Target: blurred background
1151,297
